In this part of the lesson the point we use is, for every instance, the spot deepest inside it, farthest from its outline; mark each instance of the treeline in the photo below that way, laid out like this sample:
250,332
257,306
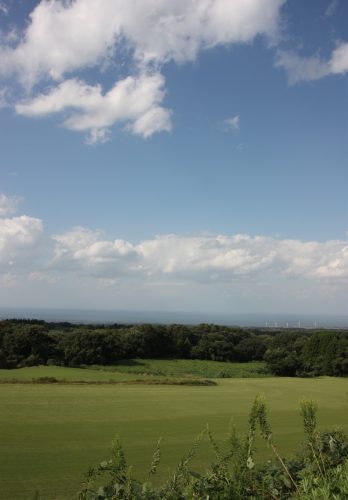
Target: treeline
287,353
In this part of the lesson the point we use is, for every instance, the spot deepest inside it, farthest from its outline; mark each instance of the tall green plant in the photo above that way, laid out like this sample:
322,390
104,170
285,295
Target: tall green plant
320,472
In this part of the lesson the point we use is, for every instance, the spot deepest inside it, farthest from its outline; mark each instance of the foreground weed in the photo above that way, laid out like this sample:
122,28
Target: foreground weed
319,473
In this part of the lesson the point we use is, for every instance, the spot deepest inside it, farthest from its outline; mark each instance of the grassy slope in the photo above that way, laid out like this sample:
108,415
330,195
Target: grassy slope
49,435
61,372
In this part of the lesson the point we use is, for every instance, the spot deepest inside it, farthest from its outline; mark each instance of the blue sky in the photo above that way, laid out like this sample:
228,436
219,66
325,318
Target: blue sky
174,156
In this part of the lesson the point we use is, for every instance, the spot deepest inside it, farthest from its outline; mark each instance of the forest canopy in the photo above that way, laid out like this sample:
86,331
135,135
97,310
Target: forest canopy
287,352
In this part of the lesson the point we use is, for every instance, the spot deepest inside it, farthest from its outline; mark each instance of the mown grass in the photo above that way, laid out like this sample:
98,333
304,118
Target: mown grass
51,434
188,367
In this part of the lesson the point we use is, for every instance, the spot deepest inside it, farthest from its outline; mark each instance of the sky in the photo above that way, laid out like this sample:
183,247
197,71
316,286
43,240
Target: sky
174,155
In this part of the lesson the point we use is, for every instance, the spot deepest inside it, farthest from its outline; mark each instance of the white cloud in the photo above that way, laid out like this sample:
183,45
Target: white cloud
19,241
81,267
301,68
8,204
156,119
81,249
233,122
135,101
196,258
201,258
339,59
63,38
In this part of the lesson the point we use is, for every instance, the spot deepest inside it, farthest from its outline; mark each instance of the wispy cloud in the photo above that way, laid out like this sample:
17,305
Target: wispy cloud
3,8
233,123
3,99
300,68
9,204
331,9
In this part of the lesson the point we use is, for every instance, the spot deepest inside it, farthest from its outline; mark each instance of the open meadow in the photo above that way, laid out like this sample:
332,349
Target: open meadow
52,433
189,367
131,369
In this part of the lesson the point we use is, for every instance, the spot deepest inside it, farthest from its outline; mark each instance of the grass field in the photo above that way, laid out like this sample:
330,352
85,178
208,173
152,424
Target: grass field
141,368
64,373
189,367
50,434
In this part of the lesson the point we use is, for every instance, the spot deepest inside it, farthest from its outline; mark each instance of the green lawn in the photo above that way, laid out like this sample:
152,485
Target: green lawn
50,434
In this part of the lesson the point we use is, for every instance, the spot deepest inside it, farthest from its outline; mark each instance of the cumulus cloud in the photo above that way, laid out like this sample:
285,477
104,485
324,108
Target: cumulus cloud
82,264
82,250
301,68
135,101
201,258
19,241
63,38
8,204
196,258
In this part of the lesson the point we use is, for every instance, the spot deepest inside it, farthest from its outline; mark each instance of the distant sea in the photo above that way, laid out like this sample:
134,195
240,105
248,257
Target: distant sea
162,317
